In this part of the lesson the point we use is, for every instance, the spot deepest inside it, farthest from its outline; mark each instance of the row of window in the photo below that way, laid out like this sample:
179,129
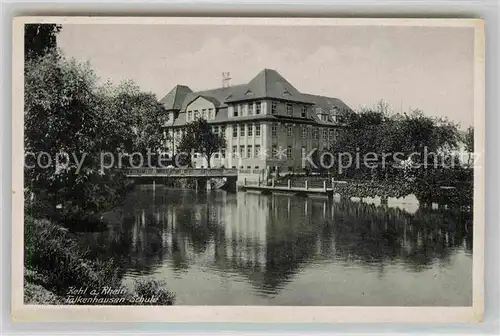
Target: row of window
246,129
240,109
251,129
250,109
327,133
251,151
289,109
207,114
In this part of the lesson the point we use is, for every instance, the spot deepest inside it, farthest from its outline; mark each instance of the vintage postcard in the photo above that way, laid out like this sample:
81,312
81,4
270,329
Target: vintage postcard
248,169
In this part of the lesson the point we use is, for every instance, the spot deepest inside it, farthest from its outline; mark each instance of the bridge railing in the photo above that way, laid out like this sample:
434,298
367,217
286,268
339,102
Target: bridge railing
182,171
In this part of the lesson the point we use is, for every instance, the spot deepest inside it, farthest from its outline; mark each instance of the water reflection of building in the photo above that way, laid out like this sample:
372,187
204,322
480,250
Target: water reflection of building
269,239
245,228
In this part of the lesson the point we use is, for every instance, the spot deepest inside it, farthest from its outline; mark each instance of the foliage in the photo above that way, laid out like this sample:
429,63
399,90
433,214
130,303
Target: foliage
125,107
36,294
67,112
199,138
378,133
154,288
468,139
39,39
52,254
54,263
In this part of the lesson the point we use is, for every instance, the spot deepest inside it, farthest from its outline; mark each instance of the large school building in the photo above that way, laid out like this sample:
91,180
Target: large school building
267,122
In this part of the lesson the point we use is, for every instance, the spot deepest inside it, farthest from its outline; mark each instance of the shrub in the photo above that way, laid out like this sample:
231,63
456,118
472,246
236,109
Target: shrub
52,254
54,263
148,288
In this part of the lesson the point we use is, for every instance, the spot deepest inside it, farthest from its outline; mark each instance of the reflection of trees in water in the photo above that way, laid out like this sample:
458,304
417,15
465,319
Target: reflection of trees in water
381,235
269,239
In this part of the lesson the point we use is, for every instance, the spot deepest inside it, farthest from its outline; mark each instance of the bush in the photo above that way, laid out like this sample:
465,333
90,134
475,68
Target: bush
153,288
54,263
51,254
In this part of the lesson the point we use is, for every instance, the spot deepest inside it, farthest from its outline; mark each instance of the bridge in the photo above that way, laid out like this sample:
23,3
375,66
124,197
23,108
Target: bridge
181,172
200,176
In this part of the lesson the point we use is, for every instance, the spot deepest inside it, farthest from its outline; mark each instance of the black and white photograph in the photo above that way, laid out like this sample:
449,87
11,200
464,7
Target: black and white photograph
204,162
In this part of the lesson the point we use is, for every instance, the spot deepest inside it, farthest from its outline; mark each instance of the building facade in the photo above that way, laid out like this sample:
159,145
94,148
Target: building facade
268,124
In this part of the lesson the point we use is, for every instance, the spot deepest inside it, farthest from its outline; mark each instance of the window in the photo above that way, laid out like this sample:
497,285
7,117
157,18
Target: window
289,131
274,130
257,108
289,152
304,132
315,133
289,109
196,114
257,151
235,110
332,135
257,130
303,112
250,130
235,131
325,134
249,151
204,114
242,130
274,106
250,108
235,151
215,130
190,115
242,151
223,130
211,114
274,151
335,113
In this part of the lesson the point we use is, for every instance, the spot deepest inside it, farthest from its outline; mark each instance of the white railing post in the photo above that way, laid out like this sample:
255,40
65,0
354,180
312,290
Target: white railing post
245,181
289,184
272,183
306,184
324,185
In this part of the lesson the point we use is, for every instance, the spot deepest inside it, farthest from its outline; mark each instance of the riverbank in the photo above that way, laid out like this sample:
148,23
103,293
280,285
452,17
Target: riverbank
55,267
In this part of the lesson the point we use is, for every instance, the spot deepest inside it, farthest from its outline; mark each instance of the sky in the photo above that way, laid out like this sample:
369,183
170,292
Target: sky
409,67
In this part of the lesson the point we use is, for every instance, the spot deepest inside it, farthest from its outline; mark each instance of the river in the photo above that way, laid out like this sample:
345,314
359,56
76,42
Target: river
241,248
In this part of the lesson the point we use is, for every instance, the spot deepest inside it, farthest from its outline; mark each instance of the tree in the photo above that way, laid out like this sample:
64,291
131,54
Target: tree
139,113
468,139
67,112
39,39
199,138
376,132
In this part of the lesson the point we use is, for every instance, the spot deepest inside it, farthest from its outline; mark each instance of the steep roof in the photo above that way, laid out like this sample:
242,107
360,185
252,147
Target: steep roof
219,94
195,95
268,84
176,97
327,103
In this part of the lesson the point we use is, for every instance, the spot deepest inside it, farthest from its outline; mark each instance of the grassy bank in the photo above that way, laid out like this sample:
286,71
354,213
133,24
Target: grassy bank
57,272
